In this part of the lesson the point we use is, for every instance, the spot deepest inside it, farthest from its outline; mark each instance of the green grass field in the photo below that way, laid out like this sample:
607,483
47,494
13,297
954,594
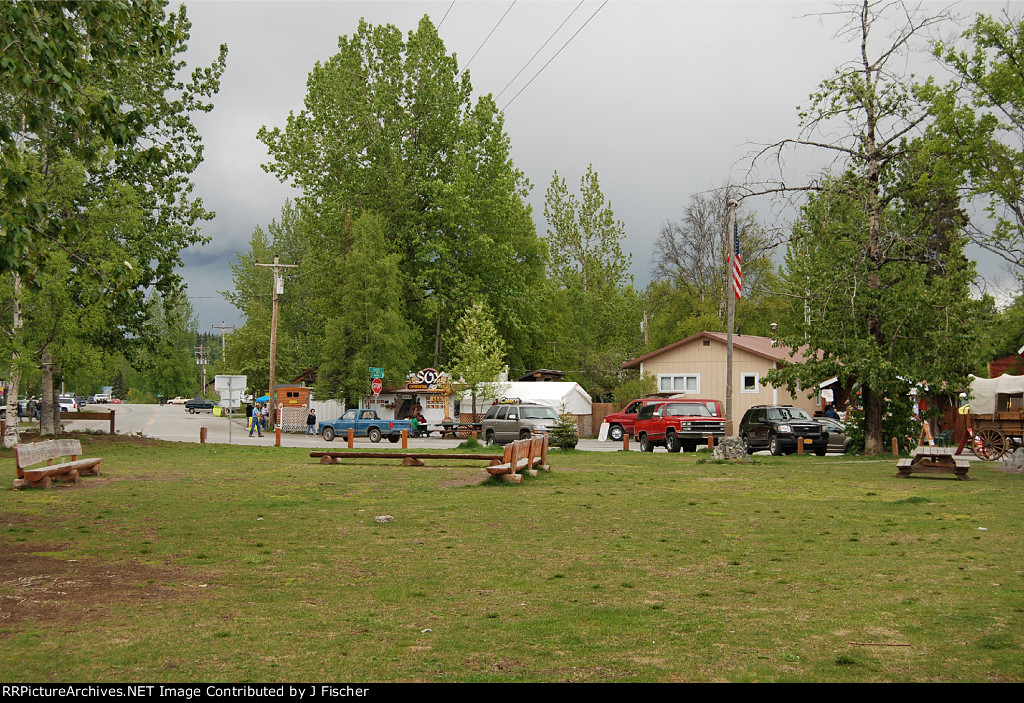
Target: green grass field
237,564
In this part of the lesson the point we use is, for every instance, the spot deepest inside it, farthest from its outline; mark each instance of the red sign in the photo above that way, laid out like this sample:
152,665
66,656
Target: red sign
377,385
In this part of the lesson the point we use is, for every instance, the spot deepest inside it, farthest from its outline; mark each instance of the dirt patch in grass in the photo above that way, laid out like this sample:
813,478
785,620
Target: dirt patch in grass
47,590
466,479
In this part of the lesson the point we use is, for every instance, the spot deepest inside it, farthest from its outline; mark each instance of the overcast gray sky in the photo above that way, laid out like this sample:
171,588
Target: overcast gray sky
665,99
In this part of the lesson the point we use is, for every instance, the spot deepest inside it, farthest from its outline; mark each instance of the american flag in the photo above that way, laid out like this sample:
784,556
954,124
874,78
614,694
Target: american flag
737,268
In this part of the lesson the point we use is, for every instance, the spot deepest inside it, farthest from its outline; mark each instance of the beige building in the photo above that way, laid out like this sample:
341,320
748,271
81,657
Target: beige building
696,366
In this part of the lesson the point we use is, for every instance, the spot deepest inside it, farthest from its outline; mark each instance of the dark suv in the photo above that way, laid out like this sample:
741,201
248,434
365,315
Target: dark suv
776,428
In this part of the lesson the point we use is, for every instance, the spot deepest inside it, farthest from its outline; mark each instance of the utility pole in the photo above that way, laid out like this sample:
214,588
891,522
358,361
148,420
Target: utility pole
278,289
731,313
223,348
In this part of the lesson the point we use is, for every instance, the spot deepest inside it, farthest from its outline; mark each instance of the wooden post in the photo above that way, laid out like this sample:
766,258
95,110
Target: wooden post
405,439
351,435
711,444
202,435
895,447
625,442
277,435
799,445
111,422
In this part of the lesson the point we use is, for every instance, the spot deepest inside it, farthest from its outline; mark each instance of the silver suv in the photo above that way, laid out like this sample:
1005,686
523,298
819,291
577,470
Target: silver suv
507,422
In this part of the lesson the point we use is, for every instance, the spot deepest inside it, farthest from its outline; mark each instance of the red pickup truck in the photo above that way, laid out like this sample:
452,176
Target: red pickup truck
677,423
622,422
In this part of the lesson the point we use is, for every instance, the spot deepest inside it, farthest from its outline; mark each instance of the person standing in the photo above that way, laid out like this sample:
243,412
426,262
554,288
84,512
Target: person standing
256,425
33,409
311,423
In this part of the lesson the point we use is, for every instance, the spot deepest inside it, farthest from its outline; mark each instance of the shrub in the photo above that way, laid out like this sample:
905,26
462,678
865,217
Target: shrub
563,434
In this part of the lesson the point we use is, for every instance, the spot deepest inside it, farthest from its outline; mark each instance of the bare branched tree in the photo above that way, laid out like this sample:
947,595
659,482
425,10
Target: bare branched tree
692,253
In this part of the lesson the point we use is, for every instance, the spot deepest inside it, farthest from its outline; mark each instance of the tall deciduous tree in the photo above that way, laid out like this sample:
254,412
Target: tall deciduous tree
593,310
865,226
368,328
99,148
388,127
982,115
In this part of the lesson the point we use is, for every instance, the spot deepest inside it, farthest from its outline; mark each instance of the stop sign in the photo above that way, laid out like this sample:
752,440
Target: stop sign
377,385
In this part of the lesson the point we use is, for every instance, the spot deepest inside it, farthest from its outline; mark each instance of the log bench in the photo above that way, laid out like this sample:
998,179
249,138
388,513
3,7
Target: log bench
523,454
47,453
934,460
408,459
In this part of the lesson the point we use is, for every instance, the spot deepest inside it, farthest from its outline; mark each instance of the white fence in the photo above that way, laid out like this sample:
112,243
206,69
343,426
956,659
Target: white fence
294,419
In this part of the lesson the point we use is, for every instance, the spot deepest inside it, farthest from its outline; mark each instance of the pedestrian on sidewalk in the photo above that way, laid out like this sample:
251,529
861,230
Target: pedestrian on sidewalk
311,423
257,417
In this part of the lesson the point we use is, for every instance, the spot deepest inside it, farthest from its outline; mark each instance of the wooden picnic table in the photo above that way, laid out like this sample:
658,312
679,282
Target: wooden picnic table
455,428
934,460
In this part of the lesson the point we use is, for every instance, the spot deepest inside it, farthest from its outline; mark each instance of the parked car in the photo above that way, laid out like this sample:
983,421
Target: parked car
198,405
777,427
838,442
100,398
81,402
509,421
177,400
679,424
623,422
68,404
364,423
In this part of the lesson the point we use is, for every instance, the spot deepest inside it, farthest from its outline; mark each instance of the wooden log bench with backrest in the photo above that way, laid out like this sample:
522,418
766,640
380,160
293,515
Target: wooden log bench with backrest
47,452
523,454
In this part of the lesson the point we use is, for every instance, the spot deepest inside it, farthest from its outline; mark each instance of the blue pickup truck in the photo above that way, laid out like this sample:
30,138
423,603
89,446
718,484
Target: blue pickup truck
364,423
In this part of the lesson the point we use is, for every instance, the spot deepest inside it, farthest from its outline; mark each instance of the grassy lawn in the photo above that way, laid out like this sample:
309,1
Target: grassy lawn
233,564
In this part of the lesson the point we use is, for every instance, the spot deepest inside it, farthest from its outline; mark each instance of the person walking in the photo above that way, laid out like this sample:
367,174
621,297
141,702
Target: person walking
311,423
256,424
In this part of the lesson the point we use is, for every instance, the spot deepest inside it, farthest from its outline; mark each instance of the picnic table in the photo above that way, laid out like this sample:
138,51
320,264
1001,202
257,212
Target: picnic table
456,429
934,460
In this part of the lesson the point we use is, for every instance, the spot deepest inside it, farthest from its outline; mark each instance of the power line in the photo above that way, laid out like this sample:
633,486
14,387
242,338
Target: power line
539,50
446,14
554,57
489,35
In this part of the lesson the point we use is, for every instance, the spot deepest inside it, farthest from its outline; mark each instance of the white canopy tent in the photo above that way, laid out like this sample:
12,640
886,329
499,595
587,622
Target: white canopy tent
554,394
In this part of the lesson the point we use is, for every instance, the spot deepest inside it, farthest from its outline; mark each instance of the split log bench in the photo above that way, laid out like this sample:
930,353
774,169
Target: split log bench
523,454
934,460
49,451
407,458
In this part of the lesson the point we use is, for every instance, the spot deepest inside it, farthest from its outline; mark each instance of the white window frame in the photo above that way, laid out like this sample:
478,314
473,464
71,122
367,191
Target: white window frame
671,378
743,382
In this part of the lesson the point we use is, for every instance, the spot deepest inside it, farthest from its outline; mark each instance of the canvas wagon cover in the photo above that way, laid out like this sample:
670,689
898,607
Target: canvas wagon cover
985,391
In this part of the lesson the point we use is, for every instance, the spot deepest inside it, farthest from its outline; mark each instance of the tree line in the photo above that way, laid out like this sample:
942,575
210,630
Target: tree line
412,214
416,246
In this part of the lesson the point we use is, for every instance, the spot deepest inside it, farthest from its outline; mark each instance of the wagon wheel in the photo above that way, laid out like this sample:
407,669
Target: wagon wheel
989,444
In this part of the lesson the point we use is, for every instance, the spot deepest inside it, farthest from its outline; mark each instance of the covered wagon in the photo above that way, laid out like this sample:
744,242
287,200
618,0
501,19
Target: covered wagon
997,415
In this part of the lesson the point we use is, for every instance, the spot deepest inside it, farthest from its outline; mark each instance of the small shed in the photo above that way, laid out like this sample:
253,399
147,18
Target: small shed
293,402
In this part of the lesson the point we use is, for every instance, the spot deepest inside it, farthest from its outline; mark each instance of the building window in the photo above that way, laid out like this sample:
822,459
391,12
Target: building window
679,383
749,383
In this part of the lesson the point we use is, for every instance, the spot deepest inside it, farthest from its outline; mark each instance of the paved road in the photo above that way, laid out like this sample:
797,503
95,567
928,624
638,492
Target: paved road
173,423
